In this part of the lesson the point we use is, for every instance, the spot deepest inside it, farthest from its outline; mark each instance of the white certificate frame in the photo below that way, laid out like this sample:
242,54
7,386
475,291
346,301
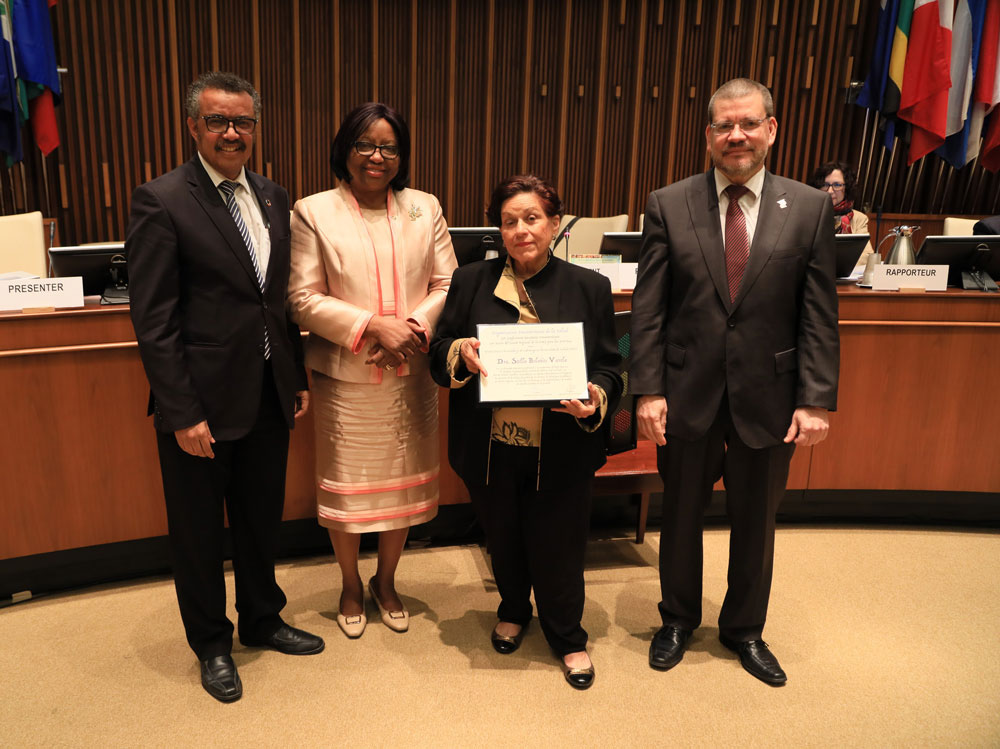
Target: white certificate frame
537,364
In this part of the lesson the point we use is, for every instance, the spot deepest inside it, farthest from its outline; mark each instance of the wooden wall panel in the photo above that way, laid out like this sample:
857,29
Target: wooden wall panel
434,105
512,31
607,98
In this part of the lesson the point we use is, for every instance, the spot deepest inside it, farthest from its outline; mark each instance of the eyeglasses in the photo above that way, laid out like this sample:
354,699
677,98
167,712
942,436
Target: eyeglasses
747,126
833,185
216,123
364,148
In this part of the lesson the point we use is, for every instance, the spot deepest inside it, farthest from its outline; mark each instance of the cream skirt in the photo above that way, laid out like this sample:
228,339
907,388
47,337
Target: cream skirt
376,452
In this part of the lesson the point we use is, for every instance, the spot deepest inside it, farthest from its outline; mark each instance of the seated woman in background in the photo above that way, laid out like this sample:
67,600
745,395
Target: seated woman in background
529,470
838,180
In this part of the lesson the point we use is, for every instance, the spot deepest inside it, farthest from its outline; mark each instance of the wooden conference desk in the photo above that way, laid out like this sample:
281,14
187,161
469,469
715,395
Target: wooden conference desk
918,411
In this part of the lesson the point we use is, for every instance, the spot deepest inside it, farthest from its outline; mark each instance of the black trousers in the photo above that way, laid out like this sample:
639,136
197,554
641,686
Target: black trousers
536,540
755,485
247,477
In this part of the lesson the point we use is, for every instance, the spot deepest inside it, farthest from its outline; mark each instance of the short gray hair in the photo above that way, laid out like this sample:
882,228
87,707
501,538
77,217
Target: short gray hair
737,88
229,82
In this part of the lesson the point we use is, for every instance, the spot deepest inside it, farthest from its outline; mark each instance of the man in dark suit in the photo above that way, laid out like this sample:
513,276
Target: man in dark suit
989,225
735,359
208,253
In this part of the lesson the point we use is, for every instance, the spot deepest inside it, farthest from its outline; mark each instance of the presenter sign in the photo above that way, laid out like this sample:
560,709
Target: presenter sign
28,293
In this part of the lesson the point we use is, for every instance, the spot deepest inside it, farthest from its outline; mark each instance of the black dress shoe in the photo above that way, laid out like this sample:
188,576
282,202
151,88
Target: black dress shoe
667,647
291,641
507,644
220,679
757,659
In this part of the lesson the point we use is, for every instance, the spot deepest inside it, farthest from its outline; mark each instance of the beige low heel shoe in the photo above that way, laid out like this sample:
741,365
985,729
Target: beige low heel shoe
352,626
398,621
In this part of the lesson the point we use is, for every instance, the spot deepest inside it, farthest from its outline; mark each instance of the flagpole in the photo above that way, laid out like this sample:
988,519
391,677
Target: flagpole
935,206
888,171
976,179
871,176
861,153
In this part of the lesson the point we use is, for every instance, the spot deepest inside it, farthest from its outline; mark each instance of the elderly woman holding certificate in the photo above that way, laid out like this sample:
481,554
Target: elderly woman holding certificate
529,468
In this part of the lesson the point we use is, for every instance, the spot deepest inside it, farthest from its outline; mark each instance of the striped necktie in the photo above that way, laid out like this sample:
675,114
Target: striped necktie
737,240
229,189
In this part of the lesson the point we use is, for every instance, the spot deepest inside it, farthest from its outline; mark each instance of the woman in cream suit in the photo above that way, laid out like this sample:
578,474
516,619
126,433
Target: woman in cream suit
371,265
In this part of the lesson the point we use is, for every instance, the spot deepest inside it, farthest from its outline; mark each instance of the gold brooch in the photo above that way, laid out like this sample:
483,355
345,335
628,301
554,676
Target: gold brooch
415,213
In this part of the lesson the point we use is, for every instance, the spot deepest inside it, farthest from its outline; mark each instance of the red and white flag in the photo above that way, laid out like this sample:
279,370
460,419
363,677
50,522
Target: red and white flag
927,76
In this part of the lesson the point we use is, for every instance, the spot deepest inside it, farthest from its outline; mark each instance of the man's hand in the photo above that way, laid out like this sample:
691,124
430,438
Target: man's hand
651,410
196,440
809,426
301,403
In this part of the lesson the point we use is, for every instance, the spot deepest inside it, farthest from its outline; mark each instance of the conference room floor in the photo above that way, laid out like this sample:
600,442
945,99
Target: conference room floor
888,635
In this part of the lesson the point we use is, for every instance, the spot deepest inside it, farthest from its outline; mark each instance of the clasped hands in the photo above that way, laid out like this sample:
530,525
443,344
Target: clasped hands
581,409
395,341
809,426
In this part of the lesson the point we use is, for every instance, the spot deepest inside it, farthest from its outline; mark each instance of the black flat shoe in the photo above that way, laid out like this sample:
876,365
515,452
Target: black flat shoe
758,660
667,647
291,641
579,678
220,678
505,644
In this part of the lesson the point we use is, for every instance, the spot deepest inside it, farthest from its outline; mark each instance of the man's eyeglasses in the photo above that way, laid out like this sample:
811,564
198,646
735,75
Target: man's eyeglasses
747,126
216,123
364,148
833,185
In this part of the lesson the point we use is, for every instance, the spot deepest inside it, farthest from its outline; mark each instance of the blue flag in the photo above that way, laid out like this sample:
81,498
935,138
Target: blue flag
10,122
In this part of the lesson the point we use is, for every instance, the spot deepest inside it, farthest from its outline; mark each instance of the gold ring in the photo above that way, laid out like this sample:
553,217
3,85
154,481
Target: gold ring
387,367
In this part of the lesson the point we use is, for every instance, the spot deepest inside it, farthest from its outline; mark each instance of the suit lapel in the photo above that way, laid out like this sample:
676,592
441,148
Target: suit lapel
775,206
208,196
703,204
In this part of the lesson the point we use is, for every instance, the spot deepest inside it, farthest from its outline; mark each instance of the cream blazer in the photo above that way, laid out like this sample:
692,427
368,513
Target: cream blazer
333,290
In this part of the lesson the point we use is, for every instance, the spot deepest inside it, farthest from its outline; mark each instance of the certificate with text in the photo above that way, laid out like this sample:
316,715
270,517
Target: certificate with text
532,365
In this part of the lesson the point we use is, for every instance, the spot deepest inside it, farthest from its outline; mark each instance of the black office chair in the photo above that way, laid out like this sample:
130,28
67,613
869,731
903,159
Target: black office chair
621,424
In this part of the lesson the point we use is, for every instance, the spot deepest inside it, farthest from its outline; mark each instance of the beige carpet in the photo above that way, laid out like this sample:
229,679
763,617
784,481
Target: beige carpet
889,638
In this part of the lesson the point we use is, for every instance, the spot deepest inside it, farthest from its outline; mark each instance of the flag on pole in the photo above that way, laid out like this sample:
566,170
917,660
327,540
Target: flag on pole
10,120
927,75
986,95
965,44
872,95
897,62
35,55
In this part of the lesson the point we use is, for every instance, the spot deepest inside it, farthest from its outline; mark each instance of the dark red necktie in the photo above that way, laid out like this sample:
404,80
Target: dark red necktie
737,240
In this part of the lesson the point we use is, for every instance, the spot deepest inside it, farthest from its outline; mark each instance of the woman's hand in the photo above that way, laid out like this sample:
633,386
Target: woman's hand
469,351
581,409
394,337
382,358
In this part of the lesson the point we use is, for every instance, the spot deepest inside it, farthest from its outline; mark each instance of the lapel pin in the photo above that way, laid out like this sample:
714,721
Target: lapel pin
267,202
782,203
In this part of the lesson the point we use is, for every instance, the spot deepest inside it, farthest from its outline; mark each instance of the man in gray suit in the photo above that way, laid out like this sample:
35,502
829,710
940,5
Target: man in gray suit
735,362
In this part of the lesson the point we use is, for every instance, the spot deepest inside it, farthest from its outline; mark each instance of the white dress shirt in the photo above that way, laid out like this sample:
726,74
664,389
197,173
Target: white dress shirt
749,203
249,210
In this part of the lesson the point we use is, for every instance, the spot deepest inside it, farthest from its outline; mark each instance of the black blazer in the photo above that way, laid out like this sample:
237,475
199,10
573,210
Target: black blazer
561,293
775,348
198,310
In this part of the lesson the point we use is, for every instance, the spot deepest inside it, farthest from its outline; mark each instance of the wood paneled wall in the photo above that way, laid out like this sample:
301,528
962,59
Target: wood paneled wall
607,98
